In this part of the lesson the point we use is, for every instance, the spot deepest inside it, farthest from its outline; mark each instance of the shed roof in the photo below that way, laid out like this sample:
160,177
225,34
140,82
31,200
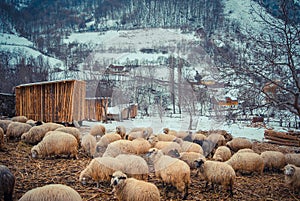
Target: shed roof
47,82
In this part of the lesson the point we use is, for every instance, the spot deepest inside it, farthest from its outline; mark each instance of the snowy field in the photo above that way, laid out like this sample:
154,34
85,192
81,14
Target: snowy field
177,123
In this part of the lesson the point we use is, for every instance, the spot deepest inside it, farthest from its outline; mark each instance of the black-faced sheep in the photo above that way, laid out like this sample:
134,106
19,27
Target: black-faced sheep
222,154
52,192
100,170
239,143
104,141
58,143
34,135
1,139
293,158
292,177
88,144
134,166
7,183
71,130
171,170
247,162
130,189
273,160
4,124
121,130
217,173
98,130
16,129
21,119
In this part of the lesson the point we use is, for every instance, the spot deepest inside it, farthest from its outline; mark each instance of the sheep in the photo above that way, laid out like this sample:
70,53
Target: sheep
16,129
247,162
165,137
222,154
293,158
137,134
207,146
292,177
52,192
56,144
178,134
4,124
217,172
21,119
71,130
31,122
226,135
50,126
88,144
239,143
1,139
171,170
245,150
164,146
199,136
119,147
130,189
104,141
121,130
190,157
141,146
98,130
7,183
273,160
217,139
134,166
189,146
100,170
34,135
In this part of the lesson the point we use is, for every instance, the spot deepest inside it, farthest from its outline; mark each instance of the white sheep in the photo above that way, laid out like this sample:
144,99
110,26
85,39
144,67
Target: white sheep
137,134
1,139
190,157
189,146
50,126
104,141
100,170
141,145
247,162
120,147
171,170
164,146
7,183
165,137
52,192
58,143
293,158
178,134
134,166
71,130
121,130
273,160
21,119
98,130
217,139
222,154
239,143
245,150
130,189
34,135
217,172
16,129
4,124
88,144
199,136
292,177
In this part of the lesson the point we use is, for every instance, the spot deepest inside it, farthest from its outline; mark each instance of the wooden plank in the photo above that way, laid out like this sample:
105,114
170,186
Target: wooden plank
279,134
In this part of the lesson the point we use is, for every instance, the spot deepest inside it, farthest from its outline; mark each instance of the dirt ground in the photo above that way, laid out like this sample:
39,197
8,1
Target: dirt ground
31,173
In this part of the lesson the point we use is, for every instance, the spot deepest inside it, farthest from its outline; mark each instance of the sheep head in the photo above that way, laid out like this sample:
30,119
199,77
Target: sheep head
289,170
118,178
35,152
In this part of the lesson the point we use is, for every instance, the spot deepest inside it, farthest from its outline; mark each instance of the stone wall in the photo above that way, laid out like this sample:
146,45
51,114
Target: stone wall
7,105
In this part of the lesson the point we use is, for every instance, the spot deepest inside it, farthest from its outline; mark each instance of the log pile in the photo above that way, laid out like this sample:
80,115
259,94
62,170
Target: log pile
290,138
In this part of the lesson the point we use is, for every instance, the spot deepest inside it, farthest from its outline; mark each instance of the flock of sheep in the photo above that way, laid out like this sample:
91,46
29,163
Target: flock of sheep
125,159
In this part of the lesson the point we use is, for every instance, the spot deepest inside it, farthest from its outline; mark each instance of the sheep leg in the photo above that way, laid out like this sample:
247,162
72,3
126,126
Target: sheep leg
230,190
186,192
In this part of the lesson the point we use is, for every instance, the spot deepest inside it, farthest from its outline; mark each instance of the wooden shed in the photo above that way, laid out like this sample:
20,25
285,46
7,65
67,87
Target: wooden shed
53,101
95,108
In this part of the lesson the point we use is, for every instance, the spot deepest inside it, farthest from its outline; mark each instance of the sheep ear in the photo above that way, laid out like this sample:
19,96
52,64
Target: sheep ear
293,169
122,178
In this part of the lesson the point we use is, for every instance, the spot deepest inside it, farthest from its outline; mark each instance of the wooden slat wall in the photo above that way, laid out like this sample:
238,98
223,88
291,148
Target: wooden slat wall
61,101
95,108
